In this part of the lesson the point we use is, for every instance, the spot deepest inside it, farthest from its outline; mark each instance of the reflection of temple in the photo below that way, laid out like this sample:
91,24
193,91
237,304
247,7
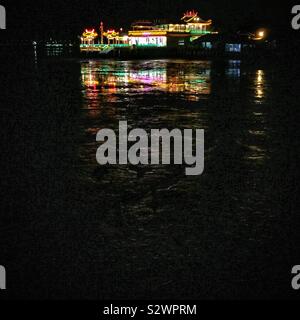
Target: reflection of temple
149,34
117,80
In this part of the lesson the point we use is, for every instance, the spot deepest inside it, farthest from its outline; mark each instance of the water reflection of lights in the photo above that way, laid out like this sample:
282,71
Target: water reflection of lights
108,79
234,69
257,151
260,84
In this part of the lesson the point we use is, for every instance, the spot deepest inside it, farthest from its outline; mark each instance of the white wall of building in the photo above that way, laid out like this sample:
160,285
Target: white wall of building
159,41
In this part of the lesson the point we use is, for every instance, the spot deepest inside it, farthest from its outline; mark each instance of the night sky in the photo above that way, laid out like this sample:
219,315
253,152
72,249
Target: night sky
66,19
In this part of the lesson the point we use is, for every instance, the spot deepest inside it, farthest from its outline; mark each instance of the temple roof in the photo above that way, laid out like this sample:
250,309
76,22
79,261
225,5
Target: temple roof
192,16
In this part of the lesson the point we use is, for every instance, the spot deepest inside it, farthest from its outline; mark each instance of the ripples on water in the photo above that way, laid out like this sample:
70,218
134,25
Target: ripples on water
179,224
151,231
178,93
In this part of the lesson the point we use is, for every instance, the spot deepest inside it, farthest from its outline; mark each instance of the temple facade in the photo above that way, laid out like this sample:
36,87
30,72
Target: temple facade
190,28
148,34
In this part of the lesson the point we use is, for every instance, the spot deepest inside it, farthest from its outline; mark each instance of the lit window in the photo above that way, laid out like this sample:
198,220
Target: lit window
233,47
207,45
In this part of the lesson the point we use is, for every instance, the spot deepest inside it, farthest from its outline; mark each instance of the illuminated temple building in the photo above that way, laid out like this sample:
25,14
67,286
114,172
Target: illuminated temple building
191,28
149,34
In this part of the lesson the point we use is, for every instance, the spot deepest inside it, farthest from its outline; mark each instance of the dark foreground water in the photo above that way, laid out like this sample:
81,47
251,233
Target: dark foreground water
71,229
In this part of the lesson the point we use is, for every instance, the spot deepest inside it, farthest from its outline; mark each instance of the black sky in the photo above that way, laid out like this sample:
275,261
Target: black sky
67,18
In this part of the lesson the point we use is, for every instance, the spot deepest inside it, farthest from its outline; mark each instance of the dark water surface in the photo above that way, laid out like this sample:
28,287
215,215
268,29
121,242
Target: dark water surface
71,229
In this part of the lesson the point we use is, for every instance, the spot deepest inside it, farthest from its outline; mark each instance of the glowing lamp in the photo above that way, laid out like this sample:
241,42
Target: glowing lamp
261,34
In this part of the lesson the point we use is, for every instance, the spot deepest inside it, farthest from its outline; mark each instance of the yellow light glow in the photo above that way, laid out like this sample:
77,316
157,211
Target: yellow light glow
147,33
260,84
261,34
89,34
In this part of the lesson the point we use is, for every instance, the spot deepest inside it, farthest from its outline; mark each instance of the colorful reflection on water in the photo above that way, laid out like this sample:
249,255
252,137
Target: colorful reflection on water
143,77
146,224
190,94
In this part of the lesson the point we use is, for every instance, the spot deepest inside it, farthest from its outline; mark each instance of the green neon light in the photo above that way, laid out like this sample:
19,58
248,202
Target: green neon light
197,32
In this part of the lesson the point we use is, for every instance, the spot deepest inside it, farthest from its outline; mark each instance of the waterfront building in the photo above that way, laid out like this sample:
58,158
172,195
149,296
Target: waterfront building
89,36
191,27
230,44
115,37
149,34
